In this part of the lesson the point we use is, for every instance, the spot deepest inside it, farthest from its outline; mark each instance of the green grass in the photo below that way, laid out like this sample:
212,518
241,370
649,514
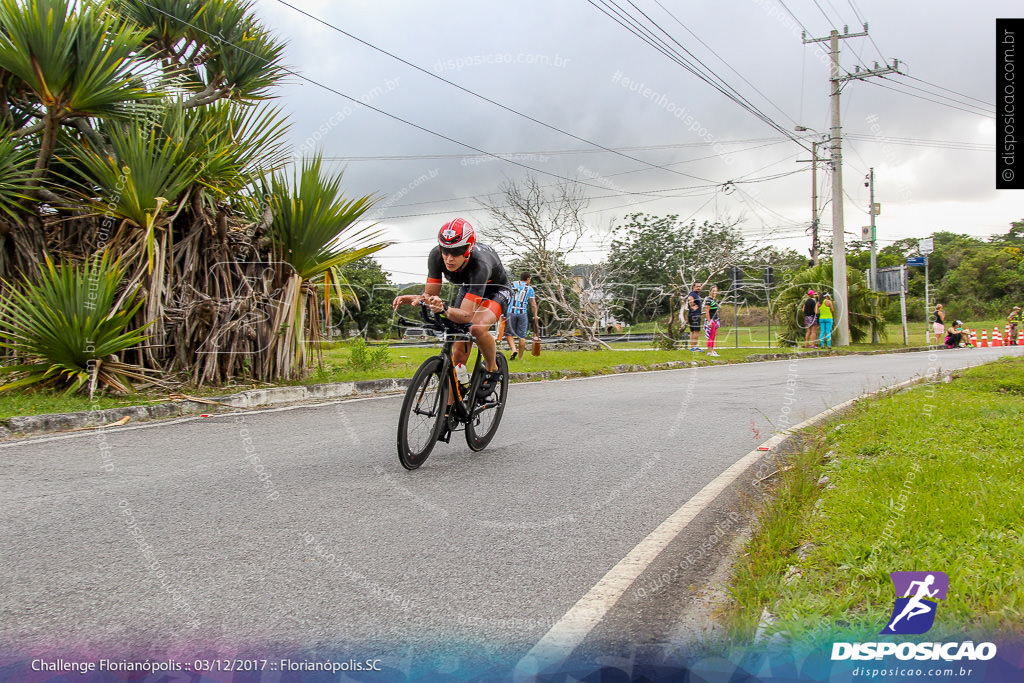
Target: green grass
403,360
14,403
929,479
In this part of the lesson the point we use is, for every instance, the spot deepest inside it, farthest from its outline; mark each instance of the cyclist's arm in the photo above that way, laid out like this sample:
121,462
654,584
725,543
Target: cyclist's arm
431,289
464,313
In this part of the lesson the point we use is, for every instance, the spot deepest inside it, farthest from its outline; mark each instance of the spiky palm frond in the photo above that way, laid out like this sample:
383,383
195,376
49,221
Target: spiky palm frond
312,230
146,172
313,224
77,57
66,327
234,144
15,174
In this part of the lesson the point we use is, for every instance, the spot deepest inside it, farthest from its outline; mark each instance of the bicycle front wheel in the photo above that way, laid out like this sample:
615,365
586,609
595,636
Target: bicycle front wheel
422,413
487,407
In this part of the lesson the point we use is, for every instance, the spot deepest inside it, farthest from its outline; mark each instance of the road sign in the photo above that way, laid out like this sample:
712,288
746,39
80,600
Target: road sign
916,260
876,209
926,245
892,280
865,233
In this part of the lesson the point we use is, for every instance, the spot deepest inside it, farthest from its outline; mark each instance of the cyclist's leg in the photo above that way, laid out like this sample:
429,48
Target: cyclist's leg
479,327
460,352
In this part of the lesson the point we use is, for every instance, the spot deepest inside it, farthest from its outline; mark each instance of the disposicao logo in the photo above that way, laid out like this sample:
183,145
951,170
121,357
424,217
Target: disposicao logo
916,593
912,614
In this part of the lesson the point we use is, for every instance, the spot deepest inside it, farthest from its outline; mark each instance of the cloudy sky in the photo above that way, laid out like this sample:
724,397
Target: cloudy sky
568,83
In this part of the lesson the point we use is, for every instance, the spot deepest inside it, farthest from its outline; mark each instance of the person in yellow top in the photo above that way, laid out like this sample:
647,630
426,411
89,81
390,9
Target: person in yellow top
825,320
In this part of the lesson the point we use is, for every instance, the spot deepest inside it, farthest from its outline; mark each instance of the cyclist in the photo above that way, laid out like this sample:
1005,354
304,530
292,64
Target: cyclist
484,290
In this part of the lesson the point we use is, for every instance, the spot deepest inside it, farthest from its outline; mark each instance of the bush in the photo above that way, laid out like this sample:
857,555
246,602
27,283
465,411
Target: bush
363,358
69,326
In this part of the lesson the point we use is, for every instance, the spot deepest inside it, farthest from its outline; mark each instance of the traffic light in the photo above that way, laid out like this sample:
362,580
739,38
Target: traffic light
737,277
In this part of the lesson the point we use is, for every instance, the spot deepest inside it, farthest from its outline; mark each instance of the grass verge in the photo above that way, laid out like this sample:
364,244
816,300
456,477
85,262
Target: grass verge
930,479
402,361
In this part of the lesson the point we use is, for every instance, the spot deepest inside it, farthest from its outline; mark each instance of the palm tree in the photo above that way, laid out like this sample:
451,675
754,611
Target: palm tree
866,306
77,59
313,232
137,127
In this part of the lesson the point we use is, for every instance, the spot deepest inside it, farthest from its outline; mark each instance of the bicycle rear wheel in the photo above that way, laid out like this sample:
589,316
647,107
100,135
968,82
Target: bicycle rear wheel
487,409
422,413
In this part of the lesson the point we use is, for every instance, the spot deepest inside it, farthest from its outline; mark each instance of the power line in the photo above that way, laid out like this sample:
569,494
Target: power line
560,152
927,99
862,20
712,50
376,109
650,194
622,17
484,98
917,142
987,104
946,97
773,141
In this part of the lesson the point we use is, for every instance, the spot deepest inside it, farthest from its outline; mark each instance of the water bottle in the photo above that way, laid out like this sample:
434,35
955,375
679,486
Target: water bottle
461,373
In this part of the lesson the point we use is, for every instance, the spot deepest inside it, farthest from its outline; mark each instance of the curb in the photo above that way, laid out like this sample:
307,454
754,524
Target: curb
753,358
33,425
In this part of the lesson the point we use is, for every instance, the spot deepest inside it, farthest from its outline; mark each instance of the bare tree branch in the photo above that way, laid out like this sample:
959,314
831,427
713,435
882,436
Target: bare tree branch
542,227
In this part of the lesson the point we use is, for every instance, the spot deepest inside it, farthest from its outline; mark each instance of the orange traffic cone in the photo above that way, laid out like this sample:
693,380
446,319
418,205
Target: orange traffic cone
1020,338
974,338
984,339
996,339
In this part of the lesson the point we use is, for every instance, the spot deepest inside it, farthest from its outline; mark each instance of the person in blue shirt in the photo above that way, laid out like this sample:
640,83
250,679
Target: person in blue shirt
518,319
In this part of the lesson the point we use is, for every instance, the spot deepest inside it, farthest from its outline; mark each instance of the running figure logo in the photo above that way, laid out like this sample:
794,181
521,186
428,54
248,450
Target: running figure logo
916,593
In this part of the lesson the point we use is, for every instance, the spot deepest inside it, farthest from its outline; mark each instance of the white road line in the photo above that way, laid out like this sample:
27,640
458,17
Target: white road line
573,628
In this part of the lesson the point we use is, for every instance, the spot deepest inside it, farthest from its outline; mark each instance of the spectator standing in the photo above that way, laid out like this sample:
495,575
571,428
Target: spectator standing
810,318
825,320
693,306
939,323
1014,319
711,321
518,319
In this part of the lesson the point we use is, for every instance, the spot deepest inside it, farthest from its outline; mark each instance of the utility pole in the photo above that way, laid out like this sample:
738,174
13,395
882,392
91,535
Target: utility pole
814,193
814,203
874,266
839,289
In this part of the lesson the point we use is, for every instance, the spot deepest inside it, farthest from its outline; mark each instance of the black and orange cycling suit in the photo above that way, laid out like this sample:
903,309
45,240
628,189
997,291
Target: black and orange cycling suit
482,279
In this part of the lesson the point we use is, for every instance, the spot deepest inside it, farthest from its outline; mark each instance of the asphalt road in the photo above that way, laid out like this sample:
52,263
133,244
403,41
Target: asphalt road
295,530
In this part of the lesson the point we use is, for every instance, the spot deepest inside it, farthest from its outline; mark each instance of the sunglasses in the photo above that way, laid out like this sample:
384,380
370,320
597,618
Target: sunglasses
453,251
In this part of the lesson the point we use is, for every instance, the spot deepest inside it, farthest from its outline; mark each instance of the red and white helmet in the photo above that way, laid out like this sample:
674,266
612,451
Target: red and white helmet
457,233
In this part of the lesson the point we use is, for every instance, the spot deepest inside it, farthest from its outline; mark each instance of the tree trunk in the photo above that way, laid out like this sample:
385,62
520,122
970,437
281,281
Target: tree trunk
51,124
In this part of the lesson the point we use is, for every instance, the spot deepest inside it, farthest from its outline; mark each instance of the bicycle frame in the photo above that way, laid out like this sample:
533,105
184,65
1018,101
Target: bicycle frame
450,403
450,333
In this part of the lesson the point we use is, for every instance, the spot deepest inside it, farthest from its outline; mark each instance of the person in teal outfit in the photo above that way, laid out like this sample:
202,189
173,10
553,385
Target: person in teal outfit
826,317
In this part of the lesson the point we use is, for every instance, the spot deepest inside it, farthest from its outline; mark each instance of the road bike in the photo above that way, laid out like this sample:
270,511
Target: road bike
429,415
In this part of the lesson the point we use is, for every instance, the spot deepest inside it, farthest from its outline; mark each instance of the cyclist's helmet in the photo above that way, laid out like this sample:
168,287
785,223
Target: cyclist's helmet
456,234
